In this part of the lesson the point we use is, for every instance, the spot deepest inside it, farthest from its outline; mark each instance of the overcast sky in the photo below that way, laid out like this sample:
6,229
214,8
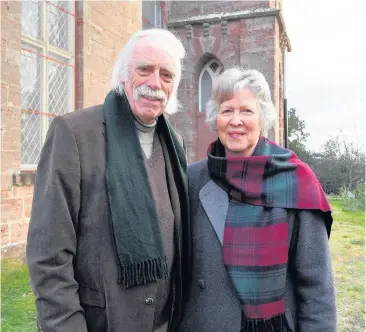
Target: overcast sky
326,70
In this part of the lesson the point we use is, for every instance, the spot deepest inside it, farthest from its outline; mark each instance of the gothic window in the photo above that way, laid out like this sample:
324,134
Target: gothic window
209,71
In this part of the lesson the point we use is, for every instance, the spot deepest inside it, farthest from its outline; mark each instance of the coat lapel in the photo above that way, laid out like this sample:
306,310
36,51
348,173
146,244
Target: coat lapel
215,202
173,192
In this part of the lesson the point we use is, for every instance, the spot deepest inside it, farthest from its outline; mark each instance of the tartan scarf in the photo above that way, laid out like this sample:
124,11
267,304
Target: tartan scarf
261,188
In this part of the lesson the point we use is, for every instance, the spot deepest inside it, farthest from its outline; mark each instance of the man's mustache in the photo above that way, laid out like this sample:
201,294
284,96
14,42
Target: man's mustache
146,91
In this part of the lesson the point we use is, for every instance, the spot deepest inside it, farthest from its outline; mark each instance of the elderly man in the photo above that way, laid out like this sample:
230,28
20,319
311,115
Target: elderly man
108,237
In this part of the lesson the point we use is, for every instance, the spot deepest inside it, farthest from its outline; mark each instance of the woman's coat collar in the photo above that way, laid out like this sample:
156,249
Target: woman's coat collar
215,202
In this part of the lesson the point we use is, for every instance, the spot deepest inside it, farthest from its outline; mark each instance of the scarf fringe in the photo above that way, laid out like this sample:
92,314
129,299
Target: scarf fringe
277,323
141,273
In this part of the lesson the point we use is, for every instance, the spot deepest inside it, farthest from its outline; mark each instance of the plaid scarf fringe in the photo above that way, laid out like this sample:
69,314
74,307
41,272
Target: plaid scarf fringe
277,323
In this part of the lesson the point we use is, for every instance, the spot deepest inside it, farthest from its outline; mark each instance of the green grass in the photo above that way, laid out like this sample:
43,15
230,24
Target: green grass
348,255
18,311
347,244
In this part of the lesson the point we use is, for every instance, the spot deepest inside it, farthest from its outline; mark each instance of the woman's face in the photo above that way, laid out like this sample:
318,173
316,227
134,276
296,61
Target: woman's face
239,124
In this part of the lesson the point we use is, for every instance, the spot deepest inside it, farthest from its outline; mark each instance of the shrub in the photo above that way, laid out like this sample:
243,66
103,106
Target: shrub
354,201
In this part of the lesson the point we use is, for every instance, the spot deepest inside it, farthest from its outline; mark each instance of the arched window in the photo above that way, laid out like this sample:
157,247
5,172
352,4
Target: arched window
211,69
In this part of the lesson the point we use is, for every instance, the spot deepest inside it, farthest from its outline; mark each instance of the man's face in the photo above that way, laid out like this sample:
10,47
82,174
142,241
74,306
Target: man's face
150,81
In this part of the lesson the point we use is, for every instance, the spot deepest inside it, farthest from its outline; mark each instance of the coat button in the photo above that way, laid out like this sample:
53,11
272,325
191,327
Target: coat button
149,301
202,284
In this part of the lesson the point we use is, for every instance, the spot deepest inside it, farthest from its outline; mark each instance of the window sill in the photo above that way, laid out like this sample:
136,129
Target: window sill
24,178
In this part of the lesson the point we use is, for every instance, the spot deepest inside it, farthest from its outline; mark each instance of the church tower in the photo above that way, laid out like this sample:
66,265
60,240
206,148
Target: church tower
219,35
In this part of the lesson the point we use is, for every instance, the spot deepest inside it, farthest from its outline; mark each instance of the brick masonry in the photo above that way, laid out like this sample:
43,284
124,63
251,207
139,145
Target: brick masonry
14,201
183,9
102,29
249,42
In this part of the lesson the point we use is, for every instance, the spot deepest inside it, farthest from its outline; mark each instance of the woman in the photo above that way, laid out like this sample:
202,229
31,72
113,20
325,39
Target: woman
260,224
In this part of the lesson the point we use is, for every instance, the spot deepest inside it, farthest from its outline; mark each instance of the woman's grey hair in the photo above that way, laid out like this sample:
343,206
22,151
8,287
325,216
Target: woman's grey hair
237,79
167,41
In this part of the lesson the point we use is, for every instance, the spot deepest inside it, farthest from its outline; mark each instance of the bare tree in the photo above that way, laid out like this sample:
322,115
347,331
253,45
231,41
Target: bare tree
341,163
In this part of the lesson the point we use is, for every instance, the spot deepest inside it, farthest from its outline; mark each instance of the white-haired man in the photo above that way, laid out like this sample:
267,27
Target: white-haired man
108,238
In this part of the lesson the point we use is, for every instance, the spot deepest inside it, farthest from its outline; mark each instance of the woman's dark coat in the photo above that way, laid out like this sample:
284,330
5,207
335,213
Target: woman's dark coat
213,304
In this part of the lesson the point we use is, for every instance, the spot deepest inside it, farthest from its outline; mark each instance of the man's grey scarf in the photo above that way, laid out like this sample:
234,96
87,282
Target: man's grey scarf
138,241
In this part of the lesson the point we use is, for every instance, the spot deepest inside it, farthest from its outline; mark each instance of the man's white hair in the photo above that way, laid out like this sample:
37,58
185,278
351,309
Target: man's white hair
238,79
160,38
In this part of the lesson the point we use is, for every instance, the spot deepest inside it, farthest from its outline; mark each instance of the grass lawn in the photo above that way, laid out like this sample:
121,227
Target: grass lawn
347,243
348,255
18,312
